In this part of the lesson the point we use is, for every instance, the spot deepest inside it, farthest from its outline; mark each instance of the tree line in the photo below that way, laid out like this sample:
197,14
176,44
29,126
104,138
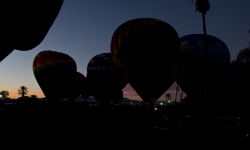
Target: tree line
22,92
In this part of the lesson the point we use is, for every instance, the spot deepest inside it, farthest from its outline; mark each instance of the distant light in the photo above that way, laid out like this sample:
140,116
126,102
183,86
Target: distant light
248,134
155,108
161,103
169,101
0,95
131,103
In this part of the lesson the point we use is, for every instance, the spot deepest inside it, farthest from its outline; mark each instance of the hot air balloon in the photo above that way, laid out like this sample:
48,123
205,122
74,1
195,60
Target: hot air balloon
117,96
75,88
104,76
54,72
146,50
191,71
26,23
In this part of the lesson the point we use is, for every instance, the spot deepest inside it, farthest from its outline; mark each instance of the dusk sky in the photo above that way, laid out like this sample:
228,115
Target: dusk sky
83,29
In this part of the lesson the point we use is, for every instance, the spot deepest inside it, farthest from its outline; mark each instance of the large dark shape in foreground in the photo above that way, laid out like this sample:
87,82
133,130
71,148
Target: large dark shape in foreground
24,24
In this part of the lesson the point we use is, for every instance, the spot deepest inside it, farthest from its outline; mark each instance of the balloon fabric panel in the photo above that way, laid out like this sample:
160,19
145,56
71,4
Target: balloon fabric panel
41,70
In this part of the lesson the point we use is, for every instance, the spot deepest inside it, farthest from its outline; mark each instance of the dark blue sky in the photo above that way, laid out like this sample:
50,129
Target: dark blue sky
84,29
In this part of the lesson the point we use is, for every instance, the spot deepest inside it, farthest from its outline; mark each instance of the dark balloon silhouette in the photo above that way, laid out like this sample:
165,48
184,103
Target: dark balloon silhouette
116,97
75,88
146,50
54,72
25,23
104,77
191,71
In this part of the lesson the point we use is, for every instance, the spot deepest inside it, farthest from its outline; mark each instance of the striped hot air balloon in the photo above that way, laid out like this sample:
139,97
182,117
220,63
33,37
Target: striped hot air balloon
103,76
146,50
54,72
191,71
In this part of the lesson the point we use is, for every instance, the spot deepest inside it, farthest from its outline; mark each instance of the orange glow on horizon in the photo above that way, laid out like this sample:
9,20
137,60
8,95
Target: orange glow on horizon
128,92
14,94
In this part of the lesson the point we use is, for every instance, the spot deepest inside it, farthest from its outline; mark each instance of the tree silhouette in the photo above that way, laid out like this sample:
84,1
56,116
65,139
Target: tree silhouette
23,90
4,94
33,96
203,6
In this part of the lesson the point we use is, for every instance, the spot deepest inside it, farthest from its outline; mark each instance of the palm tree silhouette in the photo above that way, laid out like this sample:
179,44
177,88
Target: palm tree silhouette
203,6
4,94
23,90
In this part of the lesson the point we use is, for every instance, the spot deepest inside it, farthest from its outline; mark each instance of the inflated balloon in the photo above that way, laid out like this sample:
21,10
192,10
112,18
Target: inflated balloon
192,70
116,97
146,50
75,88
101,94
26,23
104,76
54,73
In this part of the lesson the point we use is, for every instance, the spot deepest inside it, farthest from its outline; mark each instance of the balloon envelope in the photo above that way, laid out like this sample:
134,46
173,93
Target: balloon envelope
146,50
75,87
103,75
116,97
24,24
54,72
191,71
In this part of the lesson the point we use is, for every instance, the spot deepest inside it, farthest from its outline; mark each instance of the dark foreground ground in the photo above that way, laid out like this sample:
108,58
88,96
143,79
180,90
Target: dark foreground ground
119,127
